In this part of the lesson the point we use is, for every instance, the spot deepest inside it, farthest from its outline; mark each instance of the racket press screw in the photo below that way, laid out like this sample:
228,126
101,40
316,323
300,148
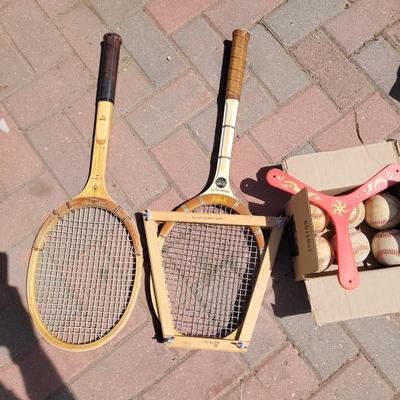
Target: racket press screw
280,221
242,345
147,215
170,339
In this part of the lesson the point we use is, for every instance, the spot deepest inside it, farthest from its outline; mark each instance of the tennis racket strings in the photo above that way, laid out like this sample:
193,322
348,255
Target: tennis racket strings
85,275
210,273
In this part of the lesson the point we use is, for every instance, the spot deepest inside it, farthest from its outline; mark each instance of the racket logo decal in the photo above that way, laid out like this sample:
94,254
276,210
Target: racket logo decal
221,182
219,200
339,208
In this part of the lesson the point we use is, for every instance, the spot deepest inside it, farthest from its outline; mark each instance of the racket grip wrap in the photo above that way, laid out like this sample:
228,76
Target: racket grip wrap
237,63
108,71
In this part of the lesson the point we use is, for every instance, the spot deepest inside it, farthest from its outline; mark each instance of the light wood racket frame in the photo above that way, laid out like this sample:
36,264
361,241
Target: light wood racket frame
239,339
94,194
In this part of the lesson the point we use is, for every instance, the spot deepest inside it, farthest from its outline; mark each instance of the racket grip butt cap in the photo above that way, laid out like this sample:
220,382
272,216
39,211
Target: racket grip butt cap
108,70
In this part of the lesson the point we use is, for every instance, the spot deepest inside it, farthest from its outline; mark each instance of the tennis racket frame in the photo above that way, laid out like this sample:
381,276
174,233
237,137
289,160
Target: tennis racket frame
94,194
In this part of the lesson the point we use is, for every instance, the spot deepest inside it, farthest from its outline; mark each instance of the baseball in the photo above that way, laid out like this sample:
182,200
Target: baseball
319,219
382,211
359,243
324,253
357,215
386,247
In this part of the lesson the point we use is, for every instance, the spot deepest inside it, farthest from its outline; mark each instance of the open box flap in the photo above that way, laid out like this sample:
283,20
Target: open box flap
300,225
333,172
377,294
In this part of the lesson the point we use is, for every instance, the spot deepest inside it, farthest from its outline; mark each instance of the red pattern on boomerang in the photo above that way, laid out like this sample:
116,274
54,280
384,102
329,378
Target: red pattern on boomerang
339,209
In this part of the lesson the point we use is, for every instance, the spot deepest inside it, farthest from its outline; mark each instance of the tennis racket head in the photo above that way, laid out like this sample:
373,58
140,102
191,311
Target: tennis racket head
84,273
210,270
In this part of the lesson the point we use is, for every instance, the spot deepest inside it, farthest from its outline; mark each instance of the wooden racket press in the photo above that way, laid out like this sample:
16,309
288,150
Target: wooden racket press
239,339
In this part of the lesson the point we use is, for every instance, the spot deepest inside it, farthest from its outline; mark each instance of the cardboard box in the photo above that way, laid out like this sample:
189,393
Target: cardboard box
333,173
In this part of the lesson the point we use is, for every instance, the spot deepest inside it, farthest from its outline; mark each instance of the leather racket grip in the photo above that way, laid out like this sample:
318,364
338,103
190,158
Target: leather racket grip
108,67
237,63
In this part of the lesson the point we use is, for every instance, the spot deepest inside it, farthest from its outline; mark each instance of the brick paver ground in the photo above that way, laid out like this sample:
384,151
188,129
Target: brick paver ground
313,65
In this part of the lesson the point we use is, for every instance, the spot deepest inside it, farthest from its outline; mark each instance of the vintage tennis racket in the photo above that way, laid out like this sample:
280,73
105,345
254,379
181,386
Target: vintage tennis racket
86,261
339,209
210,270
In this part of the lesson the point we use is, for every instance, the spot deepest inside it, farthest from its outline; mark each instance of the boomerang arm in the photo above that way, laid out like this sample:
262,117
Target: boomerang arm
385,178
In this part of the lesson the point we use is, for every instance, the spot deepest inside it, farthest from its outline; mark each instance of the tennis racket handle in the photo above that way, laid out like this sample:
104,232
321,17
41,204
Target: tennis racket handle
108,67
237,63
347,269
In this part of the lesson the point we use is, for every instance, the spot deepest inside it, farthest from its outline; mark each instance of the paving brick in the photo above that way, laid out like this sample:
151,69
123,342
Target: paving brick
287,376
113,11
360,22
184,162
376,121
247,160
207,54
119,376
381,62
380,339
275,68
393,35
294,19
167,201
306,149
357,381
132,86
250,389
55,7
207,126
64,151
332,70
19,163
82,113
203,375
155,119
267,338
327,348
231,14
255,104
151,49
14,70
172,14
59,87
84,31
132,167
43,369
37,38
281,132
25,210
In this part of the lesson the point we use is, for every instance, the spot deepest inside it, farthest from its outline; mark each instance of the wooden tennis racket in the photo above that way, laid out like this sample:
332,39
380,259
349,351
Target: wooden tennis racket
339,210
210,270
86,261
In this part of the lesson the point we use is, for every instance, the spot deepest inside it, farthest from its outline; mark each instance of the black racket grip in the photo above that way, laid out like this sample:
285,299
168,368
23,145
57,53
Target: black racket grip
108,67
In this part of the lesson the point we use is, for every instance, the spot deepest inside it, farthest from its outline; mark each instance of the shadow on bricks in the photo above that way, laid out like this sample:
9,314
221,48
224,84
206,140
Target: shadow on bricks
17,338
147,279
395,90
290,296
